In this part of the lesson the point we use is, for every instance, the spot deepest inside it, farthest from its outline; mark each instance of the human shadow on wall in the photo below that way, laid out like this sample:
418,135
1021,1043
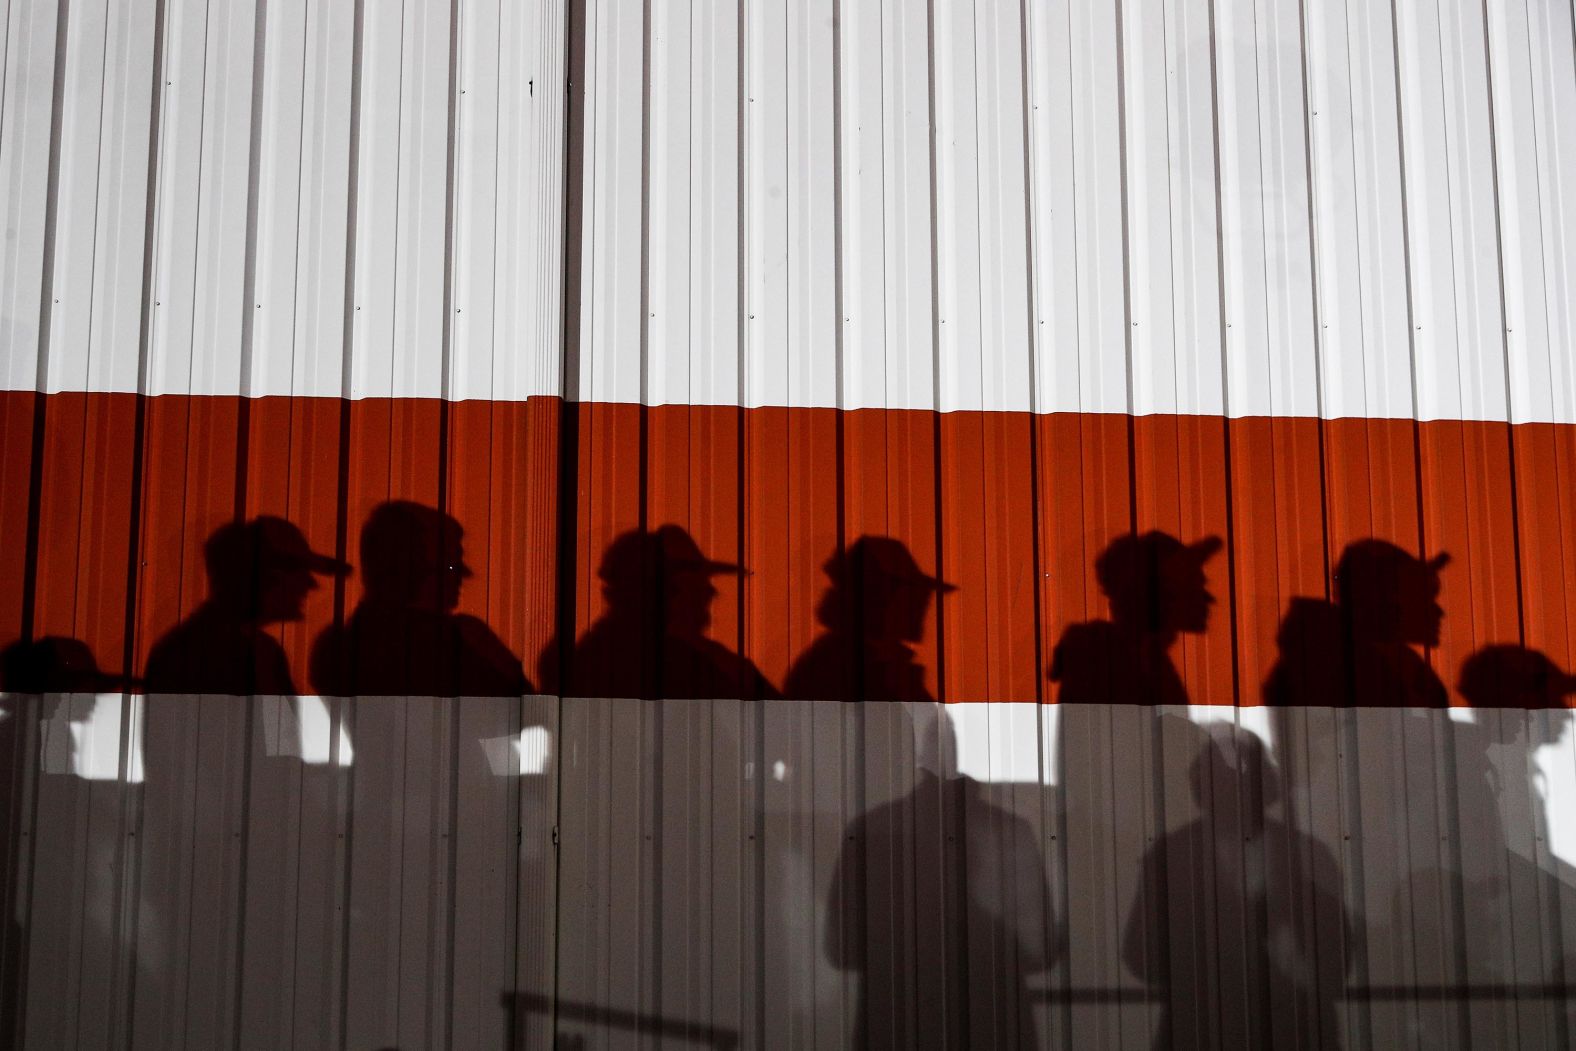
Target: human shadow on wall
1520,704
940,903
1157,592
404,637
651,641
1458,881
1362,649
872,614
195,751
1505,965
36,677
260,573
1238,925
939,900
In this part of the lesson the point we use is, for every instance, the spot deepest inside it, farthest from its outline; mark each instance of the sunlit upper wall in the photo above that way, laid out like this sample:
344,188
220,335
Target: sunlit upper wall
287,203
1083,207
1268,208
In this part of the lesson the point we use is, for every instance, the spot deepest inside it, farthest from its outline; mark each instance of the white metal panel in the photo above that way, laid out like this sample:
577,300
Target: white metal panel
1195,189
223,241
1272,342
90,317
478,106
26,163
120,217
791,224
1052,231
201,243
528,297
1452,245
886,223
402,287
716,305
668,343
612,341
1098,294
282,195
303,351
779,207
1533,83
1160,363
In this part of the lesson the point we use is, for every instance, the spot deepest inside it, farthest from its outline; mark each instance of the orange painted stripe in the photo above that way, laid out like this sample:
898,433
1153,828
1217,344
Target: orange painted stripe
1010,508
18,417
1544,471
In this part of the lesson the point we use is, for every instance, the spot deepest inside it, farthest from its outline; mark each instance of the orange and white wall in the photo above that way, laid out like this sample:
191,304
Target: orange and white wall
1003,281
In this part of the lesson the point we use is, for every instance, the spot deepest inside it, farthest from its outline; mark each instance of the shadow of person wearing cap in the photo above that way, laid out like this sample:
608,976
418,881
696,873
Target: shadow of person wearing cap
1361,650
1236,899
940,902
196,766
1388,601
873,613
33,676
651,641
260,573
1157,591
1358,650
1499,864
404,637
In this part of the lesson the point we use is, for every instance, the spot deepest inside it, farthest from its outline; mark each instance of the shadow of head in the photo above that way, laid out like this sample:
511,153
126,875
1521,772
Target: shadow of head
878,591
662,575
54,664
1387,594
413,555
263,569
1156,583
1231,766
1515,677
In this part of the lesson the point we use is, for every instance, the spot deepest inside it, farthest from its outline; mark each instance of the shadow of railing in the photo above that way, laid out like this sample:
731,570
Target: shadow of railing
1356,994
522,1005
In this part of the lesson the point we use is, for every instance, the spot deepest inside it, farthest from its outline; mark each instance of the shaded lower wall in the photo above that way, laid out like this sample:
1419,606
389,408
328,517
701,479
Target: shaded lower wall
413,873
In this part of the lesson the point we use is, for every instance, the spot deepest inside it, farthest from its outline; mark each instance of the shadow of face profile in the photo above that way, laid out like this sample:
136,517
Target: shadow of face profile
1156,583
262,570
413,556
663,577
879,592
1390,595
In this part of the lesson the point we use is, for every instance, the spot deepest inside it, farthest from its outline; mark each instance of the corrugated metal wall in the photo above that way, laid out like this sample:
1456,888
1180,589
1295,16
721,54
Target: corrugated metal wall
707,341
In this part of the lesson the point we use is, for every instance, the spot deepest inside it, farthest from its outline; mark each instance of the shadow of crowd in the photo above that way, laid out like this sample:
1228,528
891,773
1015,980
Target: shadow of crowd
1364,647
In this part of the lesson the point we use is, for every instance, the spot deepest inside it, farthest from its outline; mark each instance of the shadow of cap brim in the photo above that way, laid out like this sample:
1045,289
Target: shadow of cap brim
929,583
324,565
709,567
1206,548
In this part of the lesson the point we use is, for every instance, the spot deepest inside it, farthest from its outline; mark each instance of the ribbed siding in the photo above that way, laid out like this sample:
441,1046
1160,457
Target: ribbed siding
1003,282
